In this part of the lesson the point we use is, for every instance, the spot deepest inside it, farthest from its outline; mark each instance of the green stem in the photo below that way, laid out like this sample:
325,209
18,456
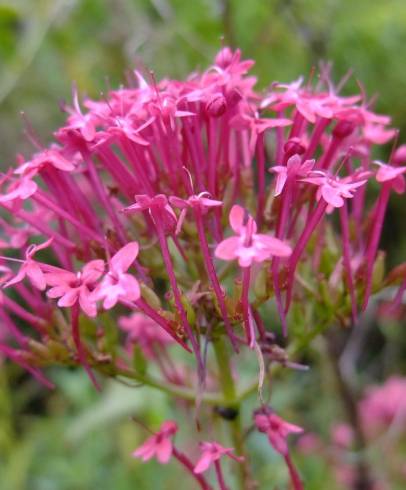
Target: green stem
169,388
230,397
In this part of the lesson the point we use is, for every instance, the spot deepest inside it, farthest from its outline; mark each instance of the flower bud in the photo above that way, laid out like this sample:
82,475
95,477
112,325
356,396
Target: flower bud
216,105
294,147
343,129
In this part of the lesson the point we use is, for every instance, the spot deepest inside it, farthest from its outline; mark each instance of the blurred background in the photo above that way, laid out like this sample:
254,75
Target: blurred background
74,438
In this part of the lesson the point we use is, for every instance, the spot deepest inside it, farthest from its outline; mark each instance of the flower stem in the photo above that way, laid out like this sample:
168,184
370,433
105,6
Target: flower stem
185,461
230,396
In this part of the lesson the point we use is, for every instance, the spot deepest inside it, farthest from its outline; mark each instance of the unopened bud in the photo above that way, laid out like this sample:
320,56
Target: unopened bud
216,105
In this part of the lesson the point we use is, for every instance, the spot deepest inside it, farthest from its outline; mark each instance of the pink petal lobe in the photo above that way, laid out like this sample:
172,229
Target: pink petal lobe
123,259
227,249
237,215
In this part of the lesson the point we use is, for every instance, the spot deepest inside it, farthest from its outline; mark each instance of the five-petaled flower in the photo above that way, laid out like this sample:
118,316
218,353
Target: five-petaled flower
117,283
30,268
276,428
294,168
249,246
159,445
334,189
73,288
212,452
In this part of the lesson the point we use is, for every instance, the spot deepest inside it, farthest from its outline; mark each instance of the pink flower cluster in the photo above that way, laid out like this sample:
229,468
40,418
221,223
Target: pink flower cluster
123,219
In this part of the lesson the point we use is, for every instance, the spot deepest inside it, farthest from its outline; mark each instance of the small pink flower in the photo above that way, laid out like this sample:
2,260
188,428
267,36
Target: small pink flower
158,207
201,201
48,157
159,445
342,435
377,134
384,404
276,429
333,189
294,168
71,288
22,188
212,452
390,173
117,284
249,246
257,125
31,268
143,331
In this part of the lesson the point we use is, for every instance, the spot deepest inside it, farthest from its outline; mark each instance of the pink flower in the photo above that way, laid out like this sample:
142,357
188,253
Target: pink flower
333,189
342,435
72,288
377,134
294,168
158,207
276,429
201,201
143,331
257,125
159,445
249,246
22,188
117,284
31,268
212,452
51,157
390,173
383,405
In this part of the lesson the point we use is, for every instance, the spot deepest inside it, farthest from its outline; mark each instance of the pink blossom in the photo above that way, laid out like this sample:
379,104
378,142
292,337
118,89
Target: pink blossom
212,452
384,404
143,331
158,207
294,168
249,246
257,125
22,188
201,201
334,189
30,268
159,445
276,429
377,134
76,288
342,435
117,284
51,157
392,174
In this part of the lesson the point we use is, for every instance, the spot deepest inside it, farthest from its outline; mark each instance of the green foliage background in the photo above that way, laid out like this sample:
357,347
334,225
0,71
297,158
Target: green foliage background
76,439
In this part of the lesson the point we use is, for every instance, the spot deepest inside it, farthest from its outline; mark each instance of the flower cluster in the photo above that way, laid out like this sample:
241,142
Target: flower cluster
123,219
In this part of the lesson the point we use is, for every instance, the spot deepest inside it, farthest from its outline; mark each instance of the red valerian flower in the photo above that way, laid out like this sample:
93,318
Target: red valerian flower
249,246
73,288
294,168
276,428
117,284
333,189
211,453
30,268
159,445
